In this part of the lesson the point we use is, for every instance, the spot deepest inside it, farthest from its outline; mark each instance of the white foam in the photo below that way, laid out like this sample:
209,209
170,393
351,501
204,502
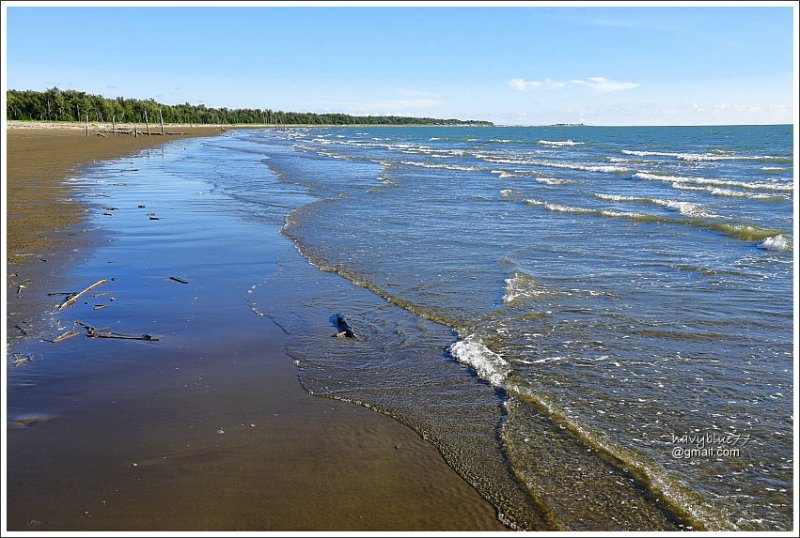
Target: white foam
554,181
581,210
435,152
506,174
553,164
612,213
717,191
688,209
776,242
558,207
773,168
507,193
444,166
557,143
781,187
487,364
618,198
699,156
522,286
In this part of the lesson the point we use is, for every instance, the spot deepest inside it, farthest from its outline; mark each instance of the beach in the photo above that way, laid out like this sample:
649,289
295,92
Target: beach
533,378
204,425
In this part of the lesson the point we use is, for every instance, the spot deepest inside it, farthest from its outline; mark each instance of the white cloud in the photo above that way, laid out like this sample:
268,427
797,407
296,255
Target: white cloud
524,85
604,85
527,85
596,84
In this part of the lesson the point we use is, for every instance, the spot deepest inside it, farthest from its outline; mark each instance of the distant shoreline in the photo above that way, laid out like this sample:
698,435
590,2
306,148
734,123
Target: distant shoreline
155,127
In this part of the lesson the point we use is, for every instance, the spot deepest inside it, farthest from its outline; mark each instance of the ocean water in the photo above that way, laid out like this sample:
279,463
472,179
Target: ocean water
593,325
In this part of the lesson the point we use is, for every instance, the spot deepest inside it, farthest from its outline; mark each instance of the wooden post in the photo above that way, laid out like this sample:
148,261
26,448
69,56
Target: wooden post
87,124
114,124
135,132
147,123
161,117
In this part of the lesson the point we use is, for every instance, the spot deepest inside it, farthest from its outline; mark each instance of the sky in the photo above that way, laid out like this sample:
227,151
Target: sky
520,65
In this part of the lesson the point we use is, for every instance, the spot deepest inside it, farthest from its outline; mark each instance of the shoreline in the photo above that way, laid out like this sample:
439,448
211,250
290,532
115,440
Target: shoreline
44,233
289,474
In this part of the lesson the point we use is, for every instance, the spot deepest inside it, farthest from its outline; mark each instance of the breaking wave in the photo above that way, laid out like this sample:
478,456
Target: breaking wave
779,187
705,156
777,242
737,230
489,365
556,143
610,169
688,209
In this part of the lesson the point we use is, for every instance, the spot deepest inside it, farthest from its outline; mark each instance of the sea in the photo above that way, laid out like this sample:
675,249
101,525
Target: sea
593,325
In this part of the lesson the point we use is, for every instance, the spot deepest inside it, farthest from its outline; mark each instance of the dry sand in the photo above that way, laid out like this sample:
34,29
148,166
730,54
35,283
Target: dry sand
213,434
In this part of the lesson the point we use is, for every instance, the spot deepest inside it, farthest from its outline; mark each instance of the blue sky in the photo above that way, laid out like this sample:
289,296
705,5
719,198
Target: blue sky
511,65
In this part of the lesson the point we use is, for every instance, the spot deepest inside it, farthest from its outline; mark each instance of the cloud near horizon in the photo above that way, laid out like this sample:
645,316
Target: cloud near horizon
597,84
527,85
604,85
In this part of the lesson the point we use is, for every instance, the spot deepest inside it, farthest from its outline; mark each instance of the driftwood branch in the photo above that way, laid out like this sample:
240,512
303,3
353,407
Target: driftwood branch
74,297
61,338
91,332
19,359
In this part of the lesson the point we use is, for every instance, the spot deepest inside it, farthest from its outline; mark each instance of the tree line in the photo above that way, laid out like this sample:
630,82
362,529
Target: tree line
72,105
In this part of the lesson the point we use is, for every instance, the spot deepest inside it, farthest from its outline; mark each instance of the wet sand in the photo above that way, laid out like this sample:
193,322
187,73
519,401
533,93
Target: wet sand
207,428
44,231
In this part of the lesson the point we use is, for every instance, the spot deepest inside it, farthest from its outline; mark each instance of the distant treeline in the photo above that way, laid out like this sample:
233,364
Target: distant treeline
71,105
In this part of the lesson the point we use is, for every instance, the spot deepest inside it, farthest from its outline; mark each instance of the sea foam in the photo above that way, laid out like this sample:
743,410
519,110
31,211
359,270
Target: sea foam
610,169
487,364
556,143
780,187
702,156
776,242
443,166
688,209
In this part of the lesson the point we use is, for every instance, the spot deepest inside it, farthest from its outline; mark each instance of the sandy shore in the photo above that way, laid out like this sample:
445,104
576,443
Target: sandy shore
208,429
41,156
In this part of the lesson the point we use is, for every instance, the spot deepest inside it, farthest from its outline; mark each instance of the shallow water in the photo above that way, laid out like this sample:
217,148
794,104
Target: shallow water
619,288
206,428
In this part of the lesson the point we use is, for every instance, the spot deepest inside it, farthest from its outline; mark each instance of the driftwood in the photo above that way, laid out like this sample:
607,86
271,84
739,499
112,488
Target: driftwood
91,332
20,359
66,335
344,329
179,279
100,306
75,296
